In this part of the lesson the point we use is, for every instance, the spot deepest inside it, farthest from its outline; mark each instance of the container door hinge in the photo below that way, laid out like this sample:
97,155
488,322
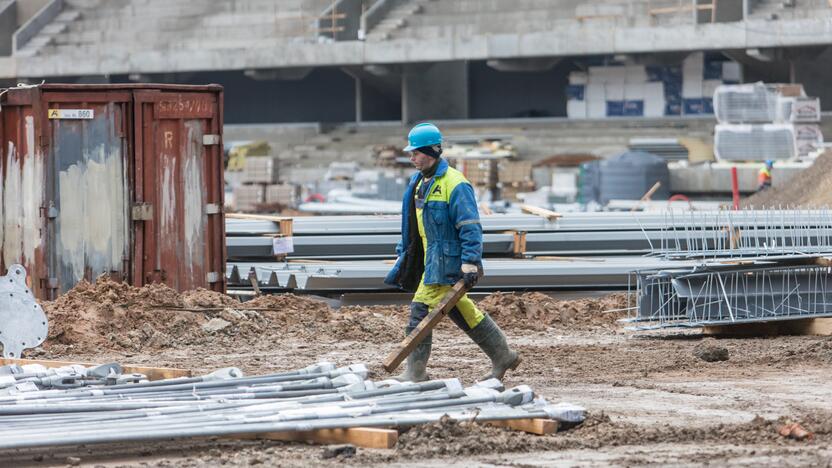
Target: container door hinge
50,211
213,208
212,277
142,212
210,140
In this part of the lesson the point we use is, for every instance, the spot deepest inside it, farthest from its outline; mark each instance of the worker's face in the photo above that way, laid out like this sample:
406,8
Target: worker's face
421,161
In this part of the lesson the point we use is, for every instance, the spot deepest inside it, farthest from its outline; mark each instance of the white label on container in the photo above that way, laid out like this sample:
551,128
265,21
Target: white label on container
282,246
82,114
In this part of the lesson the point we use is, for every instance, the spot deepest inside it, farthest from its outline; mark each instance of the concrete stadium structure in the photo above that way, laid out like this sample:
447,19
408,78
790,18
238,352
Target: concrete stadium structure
401,60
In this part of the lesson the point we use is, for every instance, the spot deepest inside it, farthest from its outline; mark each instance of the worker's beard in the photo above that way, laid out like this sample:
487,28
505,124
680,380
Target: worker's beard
428,172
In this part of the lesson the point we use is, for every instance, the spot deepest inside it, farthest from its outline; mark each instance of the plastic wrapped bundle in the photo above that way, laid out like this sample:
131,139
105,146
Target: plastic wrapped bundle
754,142
748,103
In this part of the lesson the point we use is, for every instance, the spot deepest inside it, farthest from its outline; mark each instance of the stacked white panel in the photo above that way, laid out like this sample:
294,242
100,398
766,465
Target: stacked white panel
755,142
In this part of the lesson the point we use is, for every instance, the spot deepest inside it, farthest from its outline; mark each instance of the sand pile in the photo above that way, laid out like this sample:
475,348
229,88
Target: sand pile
810,188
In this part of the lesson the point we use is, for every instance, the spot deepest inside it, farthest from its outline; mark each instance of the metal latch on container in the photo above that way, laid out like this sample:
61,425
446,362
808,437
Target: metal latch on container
210,139
212,277
142,212
212,208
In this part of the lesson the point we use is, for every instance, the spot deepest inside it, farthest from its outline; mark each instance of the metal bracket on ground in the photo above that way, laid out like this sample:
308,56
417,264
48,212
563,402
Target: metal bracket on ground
23,323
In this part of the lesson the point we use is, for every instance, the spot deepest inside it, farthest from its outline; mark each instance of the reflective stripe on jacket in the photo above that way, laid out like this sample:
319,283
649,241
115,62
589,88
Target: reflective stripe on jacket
452,227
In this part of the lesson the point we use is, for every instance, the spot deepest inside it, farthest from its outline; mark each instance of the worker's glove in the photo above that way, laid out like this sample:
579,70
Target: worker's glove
470,274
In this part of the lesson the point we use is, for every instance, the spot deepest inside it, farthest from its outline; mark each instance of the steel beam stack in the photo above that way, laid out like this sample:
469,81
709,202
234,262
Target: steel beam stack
354,253
320,396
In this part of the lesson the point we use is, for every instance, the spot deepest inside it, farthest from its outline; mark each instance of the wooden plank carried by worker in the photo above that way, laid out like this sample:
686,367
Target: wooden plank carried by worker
542,212
366,437
425,326
152,373
537,426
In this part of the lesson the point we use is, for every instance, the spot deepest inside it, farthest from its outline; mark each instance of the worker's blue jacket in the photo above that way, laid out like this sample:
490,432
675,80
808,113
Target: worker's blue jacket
452,227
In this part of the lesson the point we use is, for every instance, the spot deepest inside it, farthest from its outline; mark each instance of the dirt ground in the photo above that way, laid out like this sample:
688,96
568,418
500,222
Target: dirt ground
657,398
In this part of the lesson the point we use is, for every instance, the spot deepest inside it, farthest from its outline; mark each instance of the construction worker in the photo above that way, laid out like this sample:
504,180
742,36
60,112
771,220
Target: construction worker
442,243
764,176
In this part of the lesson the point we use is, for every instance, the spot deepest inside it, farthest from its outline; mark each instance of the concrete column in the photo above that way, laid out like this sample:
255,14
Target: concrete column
438,91
8,25
359,96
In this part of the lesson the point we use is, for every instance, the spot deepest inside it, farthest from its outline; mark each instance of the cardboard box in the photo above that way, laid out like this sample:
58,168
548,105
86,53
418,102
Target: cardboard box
805,109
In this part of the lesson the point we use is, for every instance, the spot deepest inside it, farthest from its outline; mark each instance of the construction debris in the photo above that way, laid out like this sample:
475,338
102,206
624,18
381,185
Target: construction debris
226,403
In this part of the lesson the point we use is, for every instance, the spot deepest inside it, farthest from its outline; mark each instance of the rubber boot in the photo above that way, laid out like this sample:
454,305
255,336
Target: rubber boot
488,336
417,361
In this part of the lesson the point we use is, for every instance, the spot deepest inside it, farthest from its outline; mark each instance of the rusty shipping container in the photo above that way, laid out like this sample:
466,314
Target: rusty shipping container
118,179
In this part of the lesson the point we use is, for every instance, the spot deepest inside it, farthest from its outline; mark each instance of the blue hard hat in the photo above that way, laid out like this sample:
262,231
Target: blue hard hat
769,163
423,134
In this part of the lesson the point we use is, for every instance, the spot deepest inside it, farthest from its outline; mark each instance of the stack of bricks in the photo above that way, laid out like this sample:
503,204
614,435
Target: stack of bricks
260,175
514,177
482,173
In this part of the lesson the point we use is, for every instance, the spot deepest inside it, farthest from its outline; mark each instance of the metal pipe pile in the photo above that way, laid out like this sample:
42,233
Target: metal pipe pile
225,403
764,289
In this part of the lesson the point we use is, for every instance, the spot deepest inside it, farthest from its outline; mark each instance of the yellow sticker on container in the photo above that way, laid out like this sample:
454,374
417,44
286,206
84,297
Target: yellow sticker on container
77,114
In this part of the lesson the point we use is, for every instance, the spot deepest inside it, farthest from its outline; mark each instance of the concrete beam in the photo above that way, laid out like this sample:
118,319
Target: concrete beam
286,74
524,65
572,40
8,25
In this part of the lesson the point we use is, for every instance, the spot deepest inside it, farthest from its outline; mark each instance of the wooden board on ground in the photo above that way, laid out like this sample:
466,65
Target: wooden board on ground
537,426
425,326
152,373
366,437
818,326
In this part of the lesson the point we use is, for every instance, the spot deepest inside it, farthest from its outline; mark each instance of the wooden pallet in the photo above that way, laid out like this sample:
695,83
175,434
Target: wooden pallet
152,373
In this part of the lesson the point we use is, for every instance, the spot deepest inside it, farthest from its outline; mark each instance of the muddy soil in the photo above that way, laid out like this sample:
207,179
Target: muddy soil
651,399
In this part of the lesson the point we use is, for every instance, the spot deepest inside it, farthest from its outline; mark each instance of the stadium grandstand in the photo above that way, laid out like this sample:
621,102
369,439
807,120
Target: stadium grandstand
477,64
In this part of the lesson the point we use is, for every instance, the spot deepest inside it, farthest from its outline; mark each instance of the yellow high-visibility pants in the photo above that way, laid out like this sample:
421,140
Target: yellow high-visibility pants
466,314
432,294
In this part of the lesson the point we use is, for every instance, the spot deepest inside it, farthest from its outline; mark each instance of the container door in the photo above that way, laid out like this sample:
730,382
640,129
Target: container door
88,204
22,189
179,189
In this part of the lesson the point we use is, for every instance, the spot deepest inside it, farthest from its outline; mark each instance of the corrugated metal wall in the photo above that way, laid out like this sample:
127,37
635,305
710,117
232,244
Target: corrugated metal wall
118,179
